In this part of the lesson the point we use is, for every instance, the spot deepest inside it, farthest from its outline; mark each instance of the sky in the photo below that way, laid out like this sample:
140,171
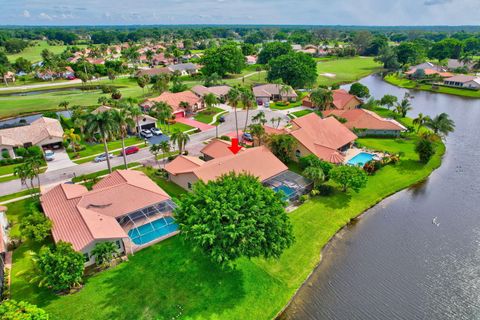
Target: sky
305,12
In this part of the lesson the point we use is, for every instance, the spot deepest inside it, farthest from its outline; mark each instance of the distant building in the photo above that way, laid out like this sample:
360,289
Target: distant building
342,100
194,103
463,81
266,92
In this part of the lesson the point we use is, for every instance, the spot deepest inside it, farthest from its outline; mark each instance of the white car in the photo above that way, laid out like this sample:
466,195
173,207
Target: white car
102,157
49,155
156,131
146,133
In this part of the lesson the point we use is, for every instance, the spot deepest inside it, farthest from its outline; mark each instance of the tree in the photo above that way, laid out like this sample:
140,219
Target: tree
61,267
35,226
161,84
143,81
420,121
315,174
210,80
29,170
359,90
248,49
123,120
135,112
258,132
446,48
222,60
233,217
259,118
210,101
181,139
388,57
111,74
64,104
441,124
404,106
22,65
388,100
321,98
408,52
273,50
349,177
163,112
425,149
248,101
155,151
103,124
233,99
282,146
296,69
21,310
104,253
72,138
165,147
361,40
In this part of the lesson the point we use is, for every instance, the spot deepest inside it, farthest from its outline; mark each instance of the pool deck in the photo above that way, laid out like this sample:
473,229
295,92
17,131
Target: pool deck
353,152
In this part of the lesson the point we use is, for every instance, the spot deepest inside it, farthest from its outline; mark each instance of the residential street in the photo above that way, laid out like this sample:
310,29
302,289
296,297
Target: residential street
195,144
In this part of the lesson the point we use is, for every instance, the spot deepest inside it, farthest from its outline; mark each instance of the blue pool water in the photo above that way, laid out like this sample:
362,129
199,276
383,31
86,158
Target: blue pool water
151,231
286,189
360,159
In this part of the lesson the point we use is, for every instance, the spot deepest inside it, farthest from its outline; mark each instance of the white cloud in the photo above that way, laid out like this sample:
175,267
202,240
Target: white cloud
44,16
26,14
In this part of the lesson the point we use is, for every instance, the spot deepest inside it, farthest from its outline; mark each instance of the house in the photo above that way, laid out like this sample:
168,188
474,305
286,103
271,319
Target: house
365,122
463,81
258,161
342,100
152,72
326,138
427,65
125,207
430,72
160,59
44,132
51,75
184,69
219,91
96,60
453,64
176,101
266,92
217,148
251,60
296,47
142,122
8,77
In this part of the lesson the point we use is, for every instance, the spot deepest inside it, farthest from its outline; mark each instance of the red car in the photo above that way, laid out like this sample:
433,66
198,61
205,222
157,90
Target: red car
131,150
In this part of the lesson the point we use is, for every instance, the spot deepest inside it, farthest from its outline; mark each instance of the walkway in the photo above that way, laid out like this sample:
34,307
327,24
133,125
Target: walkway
61,161
194,123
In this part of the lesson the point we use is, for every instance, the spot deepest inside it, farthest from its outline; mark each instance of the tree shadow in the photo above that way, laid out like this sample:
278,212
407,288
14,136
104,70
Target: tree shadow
338,200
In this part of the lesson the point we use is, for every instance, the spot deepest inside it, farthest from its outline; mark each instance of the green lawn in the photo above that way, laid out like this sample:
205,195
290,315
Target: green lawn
178,126
33,53
410,84
301,113
207,116
170,280
15,195
94,149
173,189
345,70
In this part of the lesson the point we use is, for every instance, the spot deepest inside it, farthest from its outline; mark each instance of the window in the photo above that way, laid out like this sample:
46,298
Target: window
119,245
189,185
298,154
86,256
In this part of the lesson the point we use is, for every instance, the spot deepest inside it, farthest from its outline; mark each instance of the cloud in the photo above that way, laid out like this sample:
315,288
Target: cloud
436,2
26,14
45,16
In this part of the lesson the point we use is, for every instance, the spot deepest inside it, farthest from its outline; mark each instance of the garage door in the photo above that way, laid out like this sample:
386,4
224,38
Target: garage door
179,114
148,126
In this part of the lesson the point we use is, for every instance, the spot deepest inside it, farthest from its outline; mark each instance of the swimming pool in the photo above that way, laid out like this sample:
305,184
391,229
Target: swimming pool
360,159
286,189
152,231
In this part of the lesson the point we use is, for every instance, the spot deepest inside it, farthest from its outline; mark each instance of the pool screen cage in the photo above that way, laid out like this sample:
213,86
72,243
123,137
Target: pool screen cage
291,183
146,215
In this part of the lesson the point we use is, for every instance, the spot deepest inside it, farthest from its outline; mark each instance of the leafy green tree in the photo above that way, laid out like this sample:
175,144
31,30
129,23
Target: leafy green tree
60,268
143,81
408,53
21,310
22,64
35,225
222,60
273,50
165,147
425,149
104,253
296,69
210,80
282,146
162,112
155,151
258,132
446,48
248,49
349,177
315,174
441,124
313,161
388,101
321,98
388,57
210,101
234,217
359,90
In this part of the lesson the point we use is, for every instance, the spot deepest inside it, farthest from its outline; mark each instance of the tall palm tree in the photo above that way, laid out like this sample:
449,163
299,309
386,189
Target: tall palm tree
135,113
165,147
210,101
155,150
124,121
72,138
248,101
441,124
233,98
420,121
102,123
321,98
64,104
403,107
181,139
259,118
163,112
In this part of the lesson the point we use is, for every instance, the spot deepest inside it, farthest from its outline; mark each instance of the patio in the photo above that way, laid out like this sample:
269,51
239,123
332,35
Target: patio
290,183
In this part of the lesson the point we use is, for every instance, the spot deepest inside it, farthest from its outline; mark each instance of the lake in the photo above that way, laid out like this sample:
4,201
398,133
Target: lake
395,262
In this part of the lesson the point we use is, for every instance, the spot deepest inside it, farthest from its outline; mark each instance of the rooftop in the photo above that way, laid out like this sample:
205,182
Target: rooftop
39,130
365,119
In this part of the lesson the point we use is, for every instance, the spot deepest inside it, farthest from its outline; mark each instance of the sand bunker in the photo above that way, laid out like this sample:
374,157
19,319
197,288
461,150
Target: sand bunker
329,75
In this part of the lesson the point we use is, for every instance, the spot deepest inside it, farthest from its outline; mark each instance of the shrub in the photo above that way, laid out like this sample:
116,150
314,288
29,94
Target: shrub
303,198
325,190
5,154
35,226
172,157
107,89
21,310
349,177
226,138
425,149
104,253
312,161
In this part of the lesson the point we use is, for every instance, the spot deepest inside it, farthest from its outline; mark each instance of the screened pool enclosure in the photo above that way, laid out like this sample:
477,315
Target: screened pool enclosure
290,183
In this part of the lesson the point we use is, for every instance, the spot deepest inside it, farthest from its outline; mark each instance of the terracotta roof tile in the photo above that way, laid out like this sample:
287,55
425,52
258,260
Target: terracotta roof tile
365,119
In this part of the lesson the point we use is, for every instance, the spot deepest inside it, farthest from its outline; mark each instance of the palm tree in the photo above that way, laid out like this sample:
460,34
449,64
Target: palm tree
315,174
257,131
124,121
260,118
102,100
135,113
441,124
155,150
102,123
403,107
64,104
210,101
420,121
181,139
72,138
248,101
321,98
233,98
185,105
165,147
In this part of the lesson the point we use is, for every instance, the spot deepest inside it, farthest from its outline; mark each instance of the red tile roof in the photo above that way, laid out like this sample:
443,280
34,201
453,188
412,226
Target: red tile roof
365,119
341,98
174,99
217,148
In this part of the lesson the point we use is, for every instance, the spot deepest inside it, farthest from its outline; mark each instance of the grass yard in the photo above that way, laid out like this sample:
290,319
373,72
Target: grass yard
301,113
170,280
33,53
345,70
173,189
15,195
92,150
410,84
178,126
207,117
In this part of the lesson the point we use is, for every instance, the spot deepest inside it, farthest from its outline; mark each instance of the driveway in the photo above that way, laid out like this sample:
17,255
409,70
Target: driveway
194,123
158,139
61,161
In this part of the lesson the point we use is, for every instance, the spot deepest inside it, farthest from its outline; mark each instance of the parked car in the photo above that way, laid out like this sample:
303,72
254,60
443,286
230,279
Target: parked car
102,157
156,131
131,150
71,78
49,155
146,133
247,137
221,119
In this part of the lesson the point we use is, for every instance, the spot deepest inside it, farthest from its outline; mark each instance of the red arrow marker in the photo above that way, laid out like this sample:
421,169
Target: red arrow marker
235,147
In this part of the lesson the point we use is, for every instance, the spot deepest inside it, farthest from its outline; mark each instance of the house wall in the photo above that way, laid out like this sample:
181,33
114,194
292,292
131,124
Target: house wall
9,149
89,248
4,226
300,151
183,179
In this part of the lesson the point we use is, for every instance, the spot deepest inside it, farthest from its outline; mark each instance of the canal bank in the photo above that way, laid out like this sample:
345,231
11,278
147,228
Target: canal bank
415,254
